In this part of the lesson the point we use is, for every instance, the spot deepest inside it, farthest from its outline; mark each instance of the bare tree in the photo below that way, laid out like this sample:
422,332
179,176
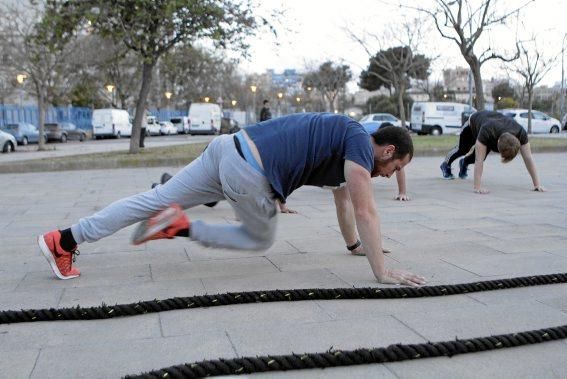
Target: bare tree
329,80
32,50
394,66
463,23
532,68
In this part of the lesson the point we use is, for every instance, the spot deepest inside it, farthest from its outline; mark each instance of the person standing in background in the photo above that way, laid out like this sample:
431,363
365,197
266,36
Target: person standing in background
265,113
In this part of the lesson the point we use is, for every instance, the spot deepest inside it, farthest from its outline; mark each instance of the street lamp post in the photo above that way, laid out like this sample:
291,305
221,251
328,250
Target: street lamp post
562,77
233,102
298,99
280,95
168,96
110,88
21,78
207,99
253,88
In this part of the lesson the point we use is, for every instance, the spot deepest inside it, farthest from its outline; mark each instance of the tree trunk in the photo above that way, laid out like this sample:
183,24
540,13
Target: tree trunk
401,107
141,107
530,104
475,65
41,117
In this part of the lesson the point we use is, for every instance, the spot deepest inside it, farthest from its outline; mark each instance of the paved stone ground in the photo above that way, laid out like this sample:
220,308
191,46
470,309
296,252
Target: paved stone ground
447,233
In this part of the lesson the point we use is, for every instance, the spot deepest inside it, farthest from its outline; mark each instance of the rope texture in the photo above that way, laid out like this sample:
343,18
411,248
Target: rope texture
230,298
335,358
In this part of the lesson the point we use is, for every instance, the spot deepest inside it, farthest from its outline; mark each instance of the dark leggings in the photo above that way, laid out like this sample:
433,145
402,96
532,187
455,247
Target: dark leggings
466,141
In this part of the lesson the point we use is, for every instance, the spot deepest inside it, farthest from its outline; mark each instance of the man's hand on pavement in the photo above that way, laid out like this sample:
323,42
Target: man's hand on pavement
539,189
285,209
481,191
407,278
360,251
402,197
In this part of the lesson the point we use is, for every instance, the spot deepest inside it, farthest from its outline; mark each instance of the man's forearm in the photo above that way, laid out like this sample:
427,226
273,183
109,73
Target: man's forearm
401,179
478,167
345,217
368,225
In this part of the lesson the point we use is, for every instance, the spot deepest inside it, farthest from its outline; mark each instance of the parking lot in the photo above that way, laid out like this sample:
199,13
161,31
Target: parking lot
56,149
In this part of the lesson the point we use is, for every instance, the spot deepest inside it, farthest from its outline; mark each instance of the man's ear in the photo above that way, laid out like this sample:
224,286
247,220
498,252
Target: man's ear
389,151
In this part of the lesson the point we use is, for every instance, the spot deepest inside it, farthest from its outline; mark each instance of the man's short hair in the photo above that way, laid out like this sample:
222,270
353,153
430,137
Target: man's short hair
508,147
266,102
397,136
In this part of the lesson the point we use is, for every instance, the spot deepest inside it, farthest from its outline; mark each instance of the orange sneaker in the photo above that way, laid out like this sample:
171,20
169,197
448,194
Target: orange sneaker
165,224
60,260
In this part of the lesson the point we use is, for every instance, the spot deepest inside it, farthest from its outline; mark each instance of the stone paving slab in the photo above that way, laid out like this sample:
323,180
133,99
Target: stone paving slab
446,233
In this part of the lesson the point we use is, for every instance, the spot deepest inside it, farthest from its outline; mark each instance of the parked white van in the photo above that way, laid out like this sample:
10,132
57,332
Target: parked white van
111,123
438,118
205,118
183,124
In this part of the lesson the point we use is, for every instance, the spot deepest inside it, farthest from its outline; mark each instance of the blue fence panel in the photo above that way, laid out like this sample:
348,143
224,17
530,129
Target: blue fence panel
167,114
82,117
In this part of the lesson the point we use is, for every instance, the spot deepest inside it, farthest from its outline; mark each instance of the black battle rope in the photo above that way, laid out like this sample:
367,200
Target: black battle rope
334,358
230,298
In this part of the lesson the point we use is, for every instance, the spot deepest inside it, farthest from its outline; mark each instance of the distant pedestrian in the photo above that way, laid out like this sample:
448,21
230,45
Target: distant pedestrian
487,131
144,127
252,170
265,113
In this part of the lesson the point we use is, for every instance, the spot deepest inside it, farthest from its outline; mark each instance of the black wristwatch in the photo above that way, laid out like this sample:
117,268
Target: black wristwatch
354,245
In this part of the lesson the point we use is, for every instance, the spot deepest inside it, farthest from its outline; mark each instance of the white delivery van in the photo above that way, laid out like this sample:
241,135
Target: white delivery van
182,124
205,118
111,123
438,118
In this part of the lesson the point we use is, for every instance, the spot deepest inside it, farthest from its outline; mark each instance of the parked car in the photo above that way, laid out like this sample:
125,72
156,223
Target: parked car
438,118
8,142
23,132
73,133
153,128
541,123
182,124
55,132
167,128
229,126
564,122
374,121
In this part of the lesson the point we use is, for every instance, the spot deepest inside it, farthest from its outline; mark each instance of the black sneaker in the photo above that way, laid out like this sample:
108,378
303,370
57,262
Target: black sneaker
165,177
446,170
463,169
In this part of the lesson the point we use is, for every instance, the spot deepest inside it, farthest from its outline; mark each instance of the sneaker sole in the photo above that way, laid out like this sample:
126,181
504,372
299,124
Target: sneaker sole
143,232
49,256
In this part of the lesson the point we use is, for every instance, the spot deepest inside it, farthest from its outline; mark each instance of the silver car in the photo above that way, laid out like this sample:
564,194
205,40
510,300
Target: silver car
8,142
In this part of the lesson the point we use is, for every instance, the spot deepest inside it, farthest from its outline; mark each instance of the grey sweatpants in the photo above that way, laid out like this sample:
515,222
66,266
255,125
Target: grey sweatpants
219,173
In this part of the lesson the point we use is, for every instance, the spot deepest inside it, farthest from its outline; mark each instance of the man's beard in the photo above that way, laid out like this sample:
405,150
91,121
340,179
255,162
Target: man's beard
378,164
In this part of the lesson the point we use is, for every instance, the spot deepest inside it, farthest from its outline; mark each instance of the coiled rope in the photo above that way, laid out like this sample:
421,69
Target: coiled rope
144,307
335,358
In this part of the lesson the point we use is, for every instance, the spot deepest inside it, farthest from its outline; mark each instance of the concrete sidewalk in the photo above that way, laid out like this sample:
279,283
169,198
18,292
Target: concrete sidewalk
446,233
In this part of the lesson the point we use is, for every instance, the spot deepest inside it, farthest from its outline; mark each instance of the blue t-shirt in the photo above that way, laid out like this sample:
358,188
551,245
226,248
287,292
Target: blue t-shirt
310,149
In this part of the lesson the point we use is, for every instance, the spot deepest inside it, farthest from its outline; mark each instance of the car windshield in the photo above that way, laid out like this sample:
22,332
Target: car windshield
176,120
51,126
365,118
68,126
11,127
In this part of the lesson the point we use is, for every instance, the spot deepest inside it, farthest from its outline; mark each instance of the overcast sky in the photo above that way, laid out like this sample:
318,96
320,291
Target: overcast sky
316,33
